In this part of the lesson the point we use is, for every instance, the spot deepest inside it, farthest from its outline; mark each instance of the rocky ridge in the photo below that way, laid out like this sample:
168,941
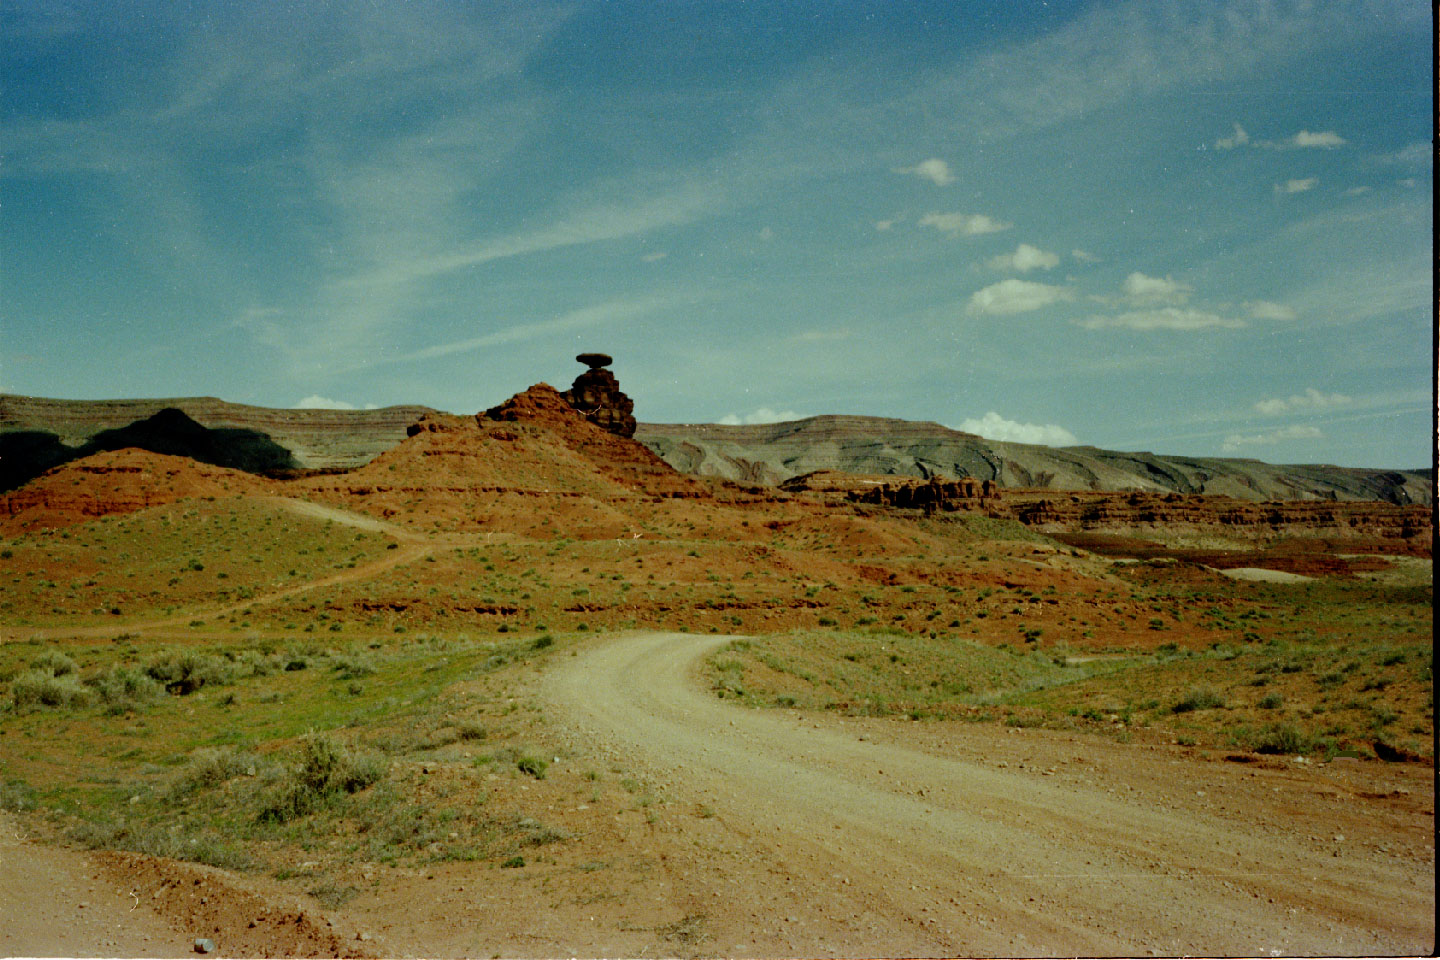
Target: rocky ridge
49,432
38,433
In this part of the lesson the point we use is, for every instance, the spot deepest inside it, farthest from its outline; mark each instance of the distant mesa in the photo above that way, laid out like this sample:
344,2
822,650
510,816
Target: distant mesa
596,394
169,431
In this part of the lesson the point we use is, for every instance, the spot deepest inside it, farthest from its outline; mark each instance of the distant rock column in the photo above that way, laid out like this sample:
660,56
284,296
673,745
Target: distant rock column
596,395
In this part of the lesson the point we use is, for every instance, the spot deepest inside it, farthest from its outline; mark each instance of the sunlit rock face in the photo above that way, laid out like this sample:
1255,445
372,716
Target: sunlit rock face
596,394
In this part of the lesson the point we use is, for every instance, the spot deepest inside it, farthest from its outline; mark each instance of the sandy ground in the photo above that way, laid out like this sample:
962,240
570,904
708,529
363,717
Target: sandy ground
824,836
56,903
65,903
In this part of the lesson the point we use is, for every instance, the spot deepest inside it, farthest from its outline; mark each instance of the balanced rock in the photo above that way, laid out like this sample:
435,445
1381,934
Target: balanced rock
596,395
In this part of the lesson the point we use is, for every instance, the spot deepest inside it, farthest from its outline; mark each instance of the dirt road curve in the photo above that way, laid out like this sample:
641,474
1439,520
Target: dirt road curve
909,848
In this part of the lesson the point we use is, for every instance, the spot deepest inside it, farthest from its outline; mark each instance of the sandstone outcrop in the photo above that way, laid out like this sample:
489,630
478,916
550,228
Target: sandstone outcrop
596,394
938,493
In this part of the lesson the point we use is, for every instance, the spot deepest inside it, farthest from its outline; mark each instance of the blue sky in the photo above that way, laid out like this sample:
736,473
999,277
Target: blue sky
1187,227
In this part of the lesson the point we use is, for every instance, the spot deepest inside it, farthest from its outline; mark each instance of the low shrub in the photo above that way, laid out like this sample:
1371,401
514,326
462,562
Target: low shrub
37,688
327,770
1201,698
211,767
533,765
125,688
188,671
55,662
1282,738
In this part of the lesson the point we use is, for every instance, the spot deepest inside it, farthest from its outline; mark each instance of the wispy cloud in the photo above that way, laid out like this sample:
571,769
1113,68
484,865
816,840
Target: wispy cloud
992,426
1141,290
317,402
1297,186
1324,139
1268,310
1237,139
758,416
967,224
1012,296
1311,399
1327,139
1023,259
601,314
1162,318
1238,441
935,170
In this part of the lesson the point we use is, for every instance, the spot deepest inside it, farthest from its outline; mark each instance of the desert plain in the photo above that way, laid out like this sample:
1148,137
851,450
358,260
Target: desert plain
518,687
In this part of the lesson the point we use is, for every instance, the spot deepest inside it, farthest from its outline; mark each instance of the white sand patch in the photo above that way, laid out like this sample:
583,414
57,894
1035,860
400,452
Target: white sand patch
1260,573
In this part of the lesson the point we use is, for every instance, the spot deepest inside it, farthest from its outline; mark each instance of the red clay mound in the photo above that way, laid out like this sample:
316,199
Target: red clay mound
532,465
118,481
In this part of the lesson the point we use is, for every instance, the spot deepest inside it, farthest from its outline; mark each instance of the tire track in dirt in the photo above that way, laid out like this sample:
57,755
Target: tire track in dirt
954,857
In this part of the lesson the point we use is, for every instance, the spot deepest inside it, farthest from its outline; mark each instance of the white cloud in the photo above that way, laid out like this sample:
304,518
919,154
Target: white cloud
970,224
1327,138
883,225
935,170
653,257
1236,440
1268,310
1297,186
1357,191
759,415
1163,318
992,426
1024,259
317,402
1311,399
1238,139
1140,289
1016,296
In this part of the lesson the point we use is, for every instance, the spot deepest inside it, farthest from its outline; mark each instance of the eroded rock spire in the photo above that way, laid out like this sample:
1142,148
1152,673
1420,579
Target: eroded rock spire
596,394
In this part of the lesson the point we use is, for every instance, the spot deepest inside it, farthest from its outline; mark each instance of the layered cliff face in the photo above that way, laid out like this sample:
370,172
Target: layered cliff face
774,453
1388,527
